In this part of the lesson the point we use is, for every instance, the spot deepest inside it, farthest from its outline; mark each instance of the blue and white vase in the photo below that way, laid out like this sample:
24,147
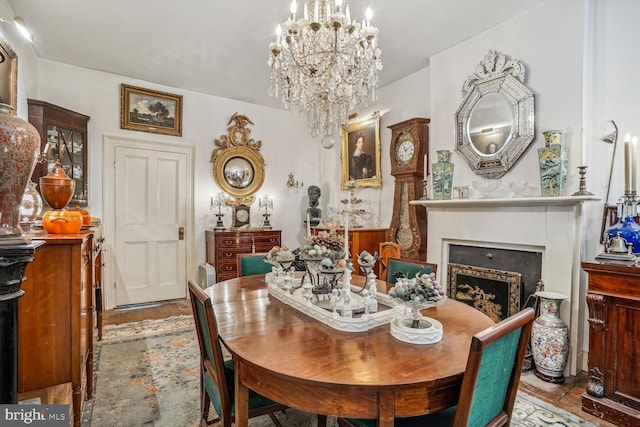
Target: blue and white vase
442,173
550,338
553,161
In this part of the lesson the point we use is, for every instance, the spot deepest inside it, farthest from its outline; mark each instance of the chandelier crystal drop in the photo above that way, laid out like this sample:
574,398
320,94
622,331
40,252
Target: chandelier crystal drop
324,64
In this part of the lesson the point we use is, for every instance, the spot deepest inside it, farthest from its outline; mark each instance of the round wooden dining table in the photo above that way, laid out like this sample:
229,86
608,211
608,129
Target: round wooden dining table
300,362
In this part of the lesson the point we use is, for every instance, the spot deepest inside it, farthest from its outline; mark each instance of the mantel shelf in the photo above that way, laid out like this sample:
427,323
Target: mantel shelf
507,202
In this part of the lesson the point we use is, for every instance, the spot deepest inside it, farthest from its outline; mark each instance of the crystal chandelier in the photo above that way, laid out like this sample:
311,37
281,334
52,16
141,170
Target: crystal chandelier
324,64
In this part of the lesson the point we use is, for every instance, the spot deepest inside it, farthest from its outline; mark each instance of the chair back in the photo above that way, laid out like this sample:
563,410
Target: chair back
387,250
409,267
492,375
249,264
212,360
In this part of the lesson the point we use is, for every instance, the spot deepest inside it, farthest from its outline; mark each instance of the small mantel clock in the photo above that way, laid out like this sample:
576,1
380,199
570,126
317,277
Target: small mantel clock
409,153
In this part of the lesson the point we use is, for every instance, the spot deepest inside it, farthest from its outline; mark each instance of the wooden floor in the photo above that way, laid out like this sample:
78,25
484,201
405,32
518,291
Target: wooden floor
566,396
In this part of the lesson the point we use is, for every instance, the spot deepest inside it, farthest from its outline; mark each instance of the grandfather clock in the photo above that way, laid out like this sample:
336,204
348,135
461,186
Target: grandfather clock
409,152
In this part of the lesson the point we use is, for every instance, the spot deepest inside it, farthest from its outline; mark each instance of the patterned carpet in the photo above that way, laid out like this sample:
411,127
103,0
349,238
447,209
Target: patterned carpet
146,374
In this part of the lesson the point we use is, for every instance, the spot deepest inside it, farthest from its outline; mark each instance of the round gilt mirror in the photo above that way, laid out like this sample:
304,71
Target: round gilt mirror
238,166
239,172
495,122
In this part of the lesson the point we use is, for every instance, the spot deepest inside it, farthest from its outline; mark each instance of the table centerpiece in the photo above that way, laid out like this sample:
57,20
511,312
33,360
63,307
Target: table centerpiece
418,293
323,255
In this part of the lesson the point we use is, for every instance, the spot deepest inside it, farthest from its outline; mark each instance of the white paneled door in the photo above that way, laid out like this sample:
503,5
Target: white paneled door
150,217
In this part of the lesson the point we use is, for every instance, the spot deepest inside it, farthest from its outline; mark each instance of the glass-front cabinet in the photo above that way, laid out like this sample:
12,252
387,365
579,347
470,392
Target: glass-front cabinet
63,135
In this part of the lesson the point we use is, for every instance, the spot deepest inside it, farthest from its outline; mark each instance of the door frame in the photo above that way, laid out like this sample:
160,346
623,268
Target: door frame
109,145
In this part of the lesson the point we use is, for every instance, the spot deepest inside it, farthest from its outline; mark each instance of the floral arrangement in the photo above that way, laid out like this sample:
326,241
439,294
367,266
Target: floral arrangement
422,289
324,245
279,254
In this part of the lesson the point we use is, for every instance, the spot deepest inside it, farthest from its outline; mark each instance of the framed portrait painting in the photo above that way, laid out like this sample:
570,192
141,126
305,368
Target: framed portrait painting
148,110
360,152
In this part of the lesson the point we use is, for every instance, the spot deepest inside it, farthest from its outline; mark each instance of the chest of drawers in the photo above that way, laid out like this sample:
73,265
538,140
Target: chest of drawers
223,246
613,299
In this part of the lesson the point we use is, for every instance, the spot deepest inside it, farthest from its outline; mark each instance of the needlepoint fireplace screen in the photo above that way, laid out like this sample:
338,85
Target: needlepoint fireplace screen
496,293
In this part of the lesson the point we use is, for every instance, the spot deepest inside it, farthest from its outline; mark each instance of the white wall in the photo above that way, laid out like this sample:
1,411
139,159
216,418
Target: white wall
613,94
287,146
548,41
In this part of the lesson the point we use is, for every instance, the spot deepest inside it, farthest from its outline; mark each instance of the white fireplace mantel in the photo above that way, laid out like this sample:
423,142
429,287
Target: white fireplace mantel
549,225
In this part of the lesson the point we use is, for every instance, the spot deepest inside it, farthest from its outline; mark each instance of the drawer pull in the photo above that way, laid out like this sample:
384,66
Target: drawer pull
228,254
228,267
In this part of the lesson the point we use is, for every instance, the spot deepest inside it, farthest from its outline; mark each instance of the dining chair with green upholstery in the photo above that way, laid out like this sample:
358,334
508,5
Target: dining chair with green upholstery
408,267
216,374
490,380
249,264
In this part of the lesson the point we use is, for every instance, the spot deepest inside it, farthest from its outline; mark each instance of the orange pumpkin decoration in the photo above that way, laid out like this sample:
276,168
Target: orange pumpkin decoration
86,217
62,221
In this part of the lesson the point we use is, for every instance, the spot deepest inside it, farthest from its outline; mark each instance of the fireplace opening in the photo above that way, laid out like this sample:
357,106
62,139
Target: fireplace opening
496,281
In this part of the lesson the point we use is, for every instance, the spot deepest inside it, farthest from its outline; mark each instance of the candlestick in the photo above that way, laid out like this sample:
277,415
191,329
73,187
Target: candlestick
627,159
582,190
308,226
583,149
346,234
425,168
634,162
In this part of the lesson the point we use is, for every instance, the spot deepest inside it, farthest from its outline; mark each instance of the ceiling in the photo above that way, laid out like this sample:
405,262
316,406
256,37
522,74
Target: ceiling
221,48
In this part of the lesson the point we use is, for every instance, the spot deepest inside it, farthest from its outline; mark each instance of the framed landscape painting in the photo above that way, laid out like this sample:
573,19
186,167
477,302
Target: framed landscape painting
361,152
148,110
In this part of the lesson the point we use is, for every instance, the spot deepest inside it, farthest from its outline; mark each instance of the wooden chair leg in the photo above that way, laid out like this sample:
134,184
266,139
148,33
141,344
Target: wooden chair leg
274,419
322,420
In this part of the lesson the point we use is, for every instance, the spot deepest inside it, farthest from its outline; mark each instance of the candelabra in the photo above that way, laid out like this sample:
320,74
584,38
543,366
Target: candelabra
219,202
266,203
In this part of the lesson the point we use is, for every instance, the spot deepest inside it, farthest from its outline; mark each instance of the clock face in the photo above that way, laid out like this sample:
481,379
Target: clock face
405,149
242,215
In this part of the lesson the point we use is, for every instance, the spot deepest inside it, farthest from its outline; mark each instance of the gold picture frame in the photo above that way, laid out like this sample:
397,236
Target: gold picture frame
147,110
482,289
8,75
364,168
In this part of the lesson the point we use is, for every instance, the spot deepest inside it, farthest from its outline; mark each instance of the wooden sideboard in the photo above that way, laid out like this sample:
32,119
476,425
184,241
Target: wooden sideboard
224,245
613,299
360,239
55,316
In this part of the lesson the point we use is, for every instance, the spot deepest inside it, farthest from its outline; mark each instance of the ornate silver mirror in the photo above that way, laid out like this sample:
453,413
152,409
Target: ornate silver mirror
495,122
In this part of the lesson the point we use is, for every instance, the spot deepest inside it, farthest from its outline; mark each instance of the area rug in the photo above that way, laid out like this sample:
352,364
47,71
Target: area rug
146,374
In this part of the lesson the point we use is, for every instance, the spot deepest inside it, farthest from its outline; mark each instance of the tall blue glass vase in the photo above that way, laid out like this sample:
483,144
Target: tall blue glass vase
442,173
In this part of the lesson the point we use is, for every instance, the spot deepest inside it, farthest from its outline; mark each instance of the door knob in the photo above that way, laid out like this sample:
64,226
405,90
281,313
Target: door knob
180,233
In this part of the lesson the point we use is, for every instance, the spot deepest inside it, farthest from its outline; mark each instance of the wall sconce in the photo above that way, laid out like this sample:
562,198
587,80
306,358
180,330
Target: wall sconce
220,203
18,21
291,182
266,202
